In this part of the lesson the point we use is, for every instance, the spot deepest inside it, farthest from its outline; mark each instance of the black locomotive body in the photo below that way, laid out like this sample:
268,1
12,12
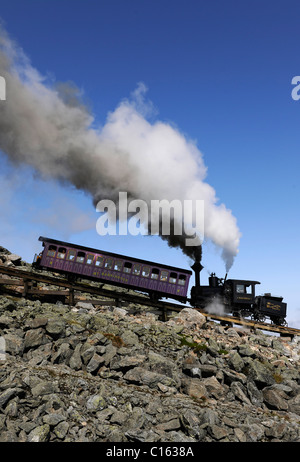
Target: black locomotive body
238,298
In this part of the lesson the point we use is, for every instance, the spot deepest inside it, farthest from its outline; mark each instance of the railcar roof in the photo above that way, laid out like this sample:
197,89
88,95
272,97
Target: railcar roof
243,281
125,257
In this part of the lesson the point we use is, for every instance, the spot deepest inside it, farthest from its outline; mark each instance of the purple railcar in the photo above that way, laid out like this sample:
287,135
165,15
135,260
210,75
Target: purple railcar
75,260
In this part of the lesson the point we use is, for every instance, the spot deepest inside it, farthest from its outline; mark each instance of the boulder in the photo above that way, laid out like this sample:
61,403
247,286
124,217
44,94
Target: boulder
190,318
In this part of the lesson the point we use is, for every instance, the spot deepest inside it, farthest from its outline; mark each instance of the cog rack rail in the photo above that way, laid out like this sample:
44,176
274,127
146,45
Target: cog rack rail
29,279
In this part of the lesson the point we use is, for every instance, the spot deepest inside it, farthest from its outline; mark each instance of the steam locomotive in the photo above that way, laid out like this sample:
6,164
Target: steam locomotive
238,298
158,280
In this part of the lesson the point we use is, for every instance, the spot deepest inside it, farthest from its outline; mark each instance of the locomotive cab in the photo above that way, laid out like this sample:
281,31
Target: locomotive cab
241,292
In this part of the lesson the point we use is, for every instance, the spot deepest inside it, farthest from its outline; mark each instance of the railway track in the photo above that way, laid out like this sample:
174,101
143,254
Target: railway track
20,282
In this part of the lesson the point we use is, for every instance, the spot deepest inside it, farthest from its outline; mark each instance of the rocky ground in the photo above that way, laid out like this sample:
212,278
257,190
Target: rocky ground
106,374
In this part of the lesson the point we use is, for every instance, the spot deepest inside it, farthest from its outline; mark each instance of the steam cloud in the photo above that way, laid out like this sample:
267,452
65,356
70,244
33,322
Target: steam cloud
49,128
216,306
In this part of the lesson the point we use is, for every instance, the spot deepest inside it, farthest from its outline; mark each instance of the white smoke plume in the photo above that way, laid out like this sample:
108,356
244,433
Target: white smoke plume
49,128
215,306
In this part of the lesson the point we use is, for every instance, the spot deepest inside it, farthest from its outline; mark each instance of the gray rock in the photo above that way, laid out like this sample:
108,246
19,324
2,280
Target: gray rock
14,344
273,399
110,352
130,338
87,351
63,354
213,387
170,425
61,430
128,362
75,360
6,395
255,432
195,389
208,370
294,405
233,376
280,347
217,432
255,395
190,318
44,387
246,350
40,434
13,258
7,305
152,379
191,424
136,419
96,403
261,374
235,361
55,328
5,321
84,306
277,430
95,362
53,419
240,392
34,338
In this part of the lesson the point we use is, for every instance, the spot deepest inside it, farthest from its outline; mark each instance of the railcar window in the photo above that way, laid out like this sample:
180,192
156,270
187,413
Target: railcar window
146,271
71,255
127,267
243,289
164,275
61,253
89,259
239,289
154,273
136,270
80,257
248,289
99,261
173,278
181,279
118,265
108,263
51,251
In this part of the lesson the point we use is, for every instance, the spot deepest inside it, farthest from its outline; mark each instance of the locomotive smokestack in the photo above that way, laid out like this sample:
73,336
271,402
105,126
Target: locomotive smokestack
197,267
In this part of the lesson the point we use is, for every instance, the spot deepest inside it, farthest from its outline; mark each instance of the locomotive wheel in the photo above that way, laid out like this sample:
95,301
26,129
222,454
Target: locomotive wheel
278,321
258,317
236,314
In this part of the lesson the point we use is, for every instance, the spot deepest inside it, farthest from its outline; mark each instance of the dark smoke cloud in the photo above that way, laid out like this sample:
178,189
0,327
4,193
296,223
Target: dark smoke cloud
50,129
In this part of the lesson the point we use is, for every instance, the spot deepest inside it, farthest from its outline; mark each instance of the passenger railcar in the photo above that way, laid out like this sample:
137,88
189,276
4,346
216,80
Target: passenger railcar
77,261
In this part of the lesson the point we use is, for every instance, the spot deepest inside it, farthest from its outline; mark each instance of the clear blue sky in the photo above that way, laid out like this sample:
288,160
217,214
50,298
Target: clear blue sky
219,71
